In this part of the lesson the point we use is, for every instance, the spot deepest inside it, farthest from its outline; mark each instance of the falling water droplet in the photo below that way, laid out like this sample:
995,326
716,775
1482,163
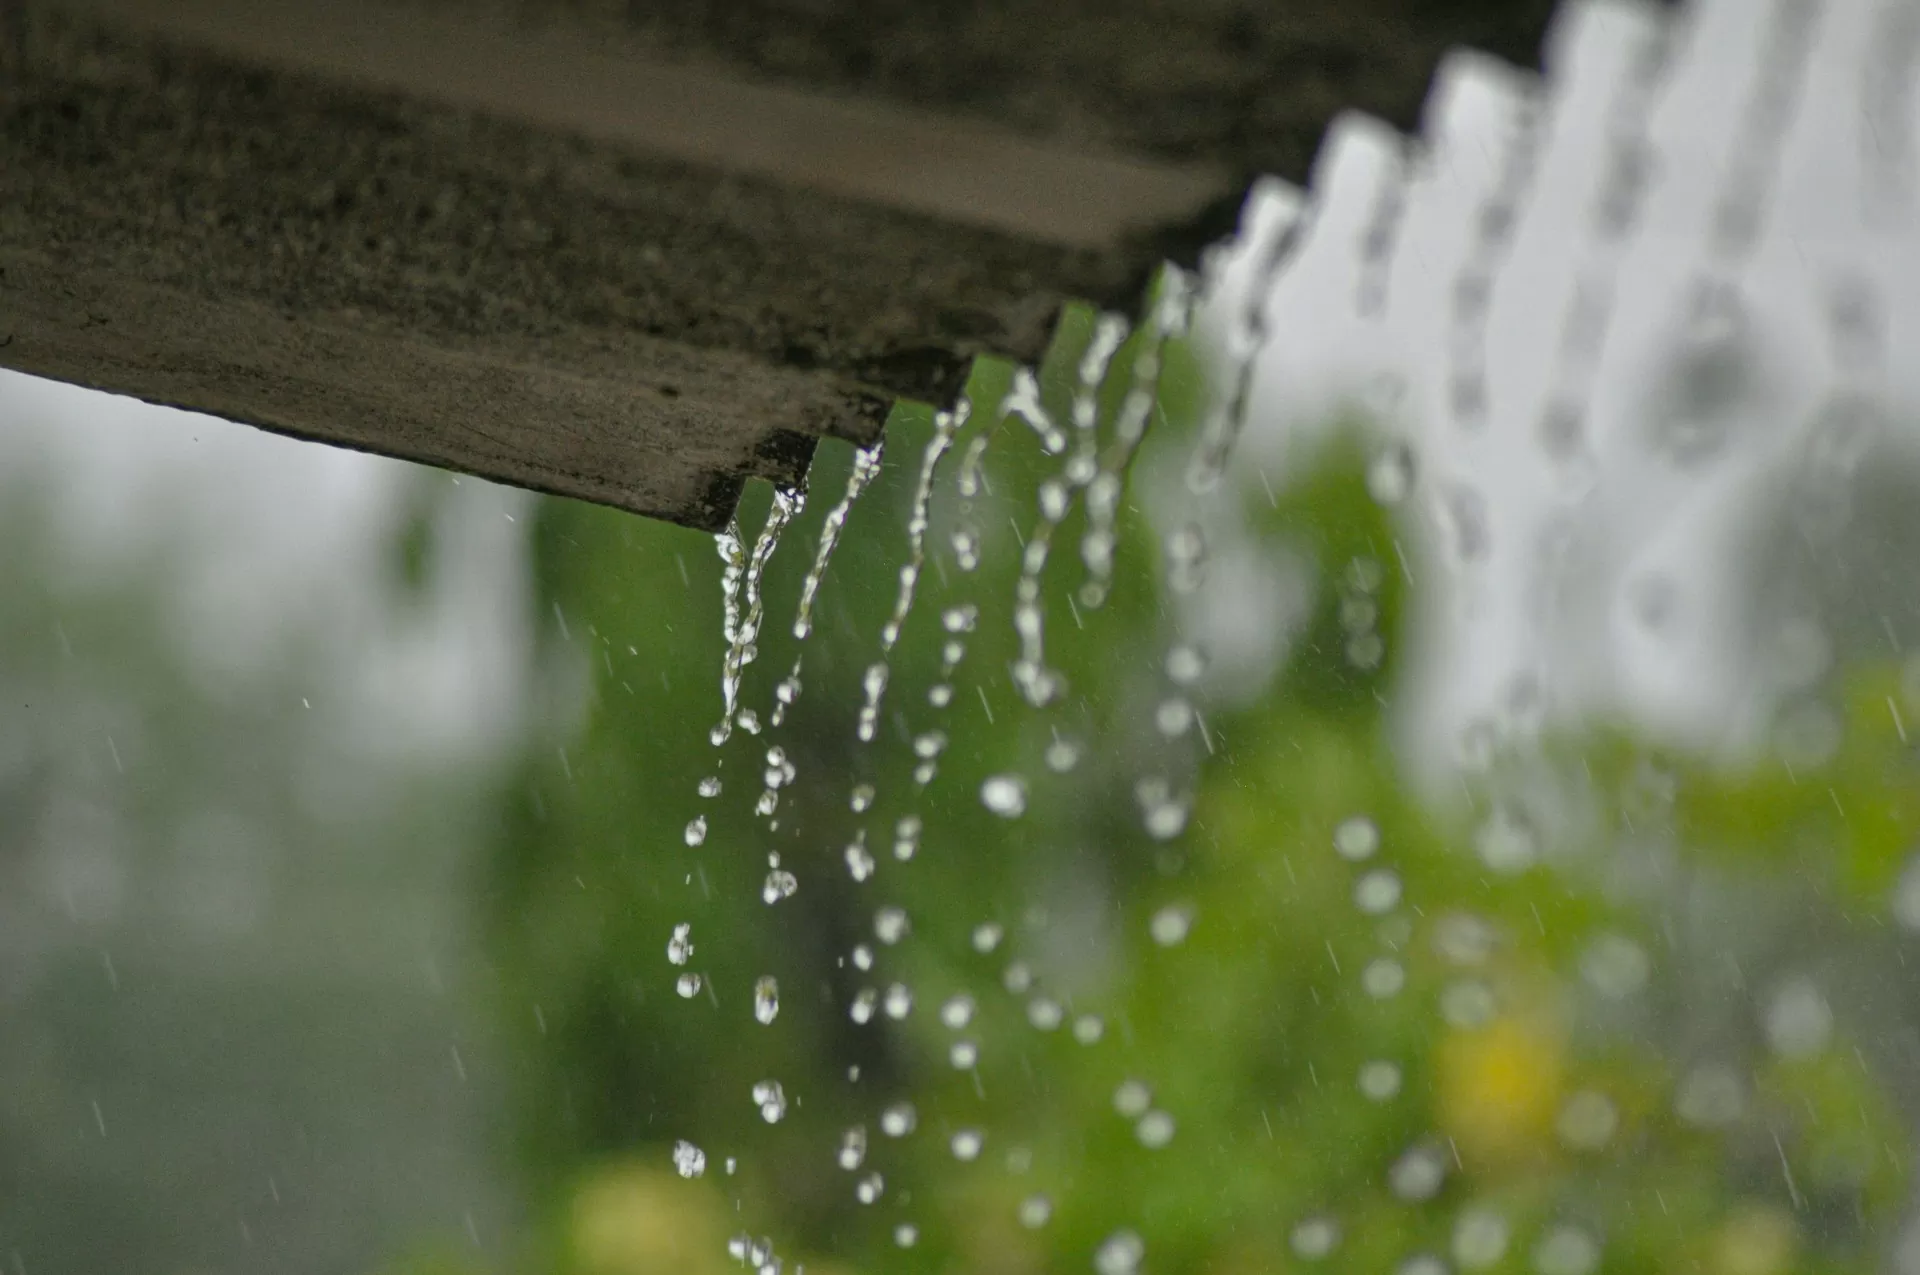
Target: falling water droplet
1566,1250
1005,795
1120,1254
906,837
1587,1121
1154,1130
966,1144
766,998
1390,473
1418,1174
898,1002
771,1099
1315,1238
860,861
1356,838
1088,1029
1377,893
780,884
862,957
964,1054
1170,924
906,1235
1132,1099
1479,1239
862,1008
688,985
853,1148
710,786
957,1012
870,1188
899,1120
986,936
1034,1211
1045,1014
688,1160
1062,756
1380,1080
680,946
1383,978
861,799
696,830
890,924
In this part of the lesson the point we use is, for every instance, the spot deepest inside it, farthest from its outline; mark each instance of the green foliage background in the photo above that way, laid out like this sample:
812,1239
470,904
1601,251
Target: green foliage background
1251,1032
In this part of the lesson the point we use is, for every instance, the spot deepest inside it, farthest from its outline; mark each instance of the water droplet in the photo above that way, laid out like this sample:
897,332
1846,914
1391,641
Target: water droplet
1377,893
780,884
1383,977
1468,1004
680,946
964,1055
966,1144
1035,1210
1711,1094
1390,473
1005,795
1422,1264
1615,966
899,1120
1418,1174
898,1001
957,1012
1062,756
906,837
1380,1080
1186,558
1132,1099
696,830
1566,1250
890,924
864,1002
861,799
1087,1029
1174,717
1154,1129
766,998
906,1234
1506,843
940,694
870,1188
710,786
1017,978
1185,665
749,721
1479,1239
860,861
1315,1238
1120,1254
1356,838
960,619
1588,1121
1045,1013
771,1099
853,1148
966,547
862,957
1464,939
1799,1020
1171,924
986,936
688,985
688,1160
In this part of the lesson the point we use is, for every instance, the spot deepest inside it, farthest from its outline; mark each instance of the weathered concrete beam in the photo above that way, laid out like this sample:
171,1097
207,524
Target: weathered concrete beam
541,254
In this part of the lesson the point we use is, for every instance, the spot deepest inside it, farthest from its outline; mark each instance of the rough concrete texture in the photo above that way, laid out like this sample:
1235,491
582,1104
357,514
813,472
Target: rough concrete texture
451,287
466,292
1245,85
